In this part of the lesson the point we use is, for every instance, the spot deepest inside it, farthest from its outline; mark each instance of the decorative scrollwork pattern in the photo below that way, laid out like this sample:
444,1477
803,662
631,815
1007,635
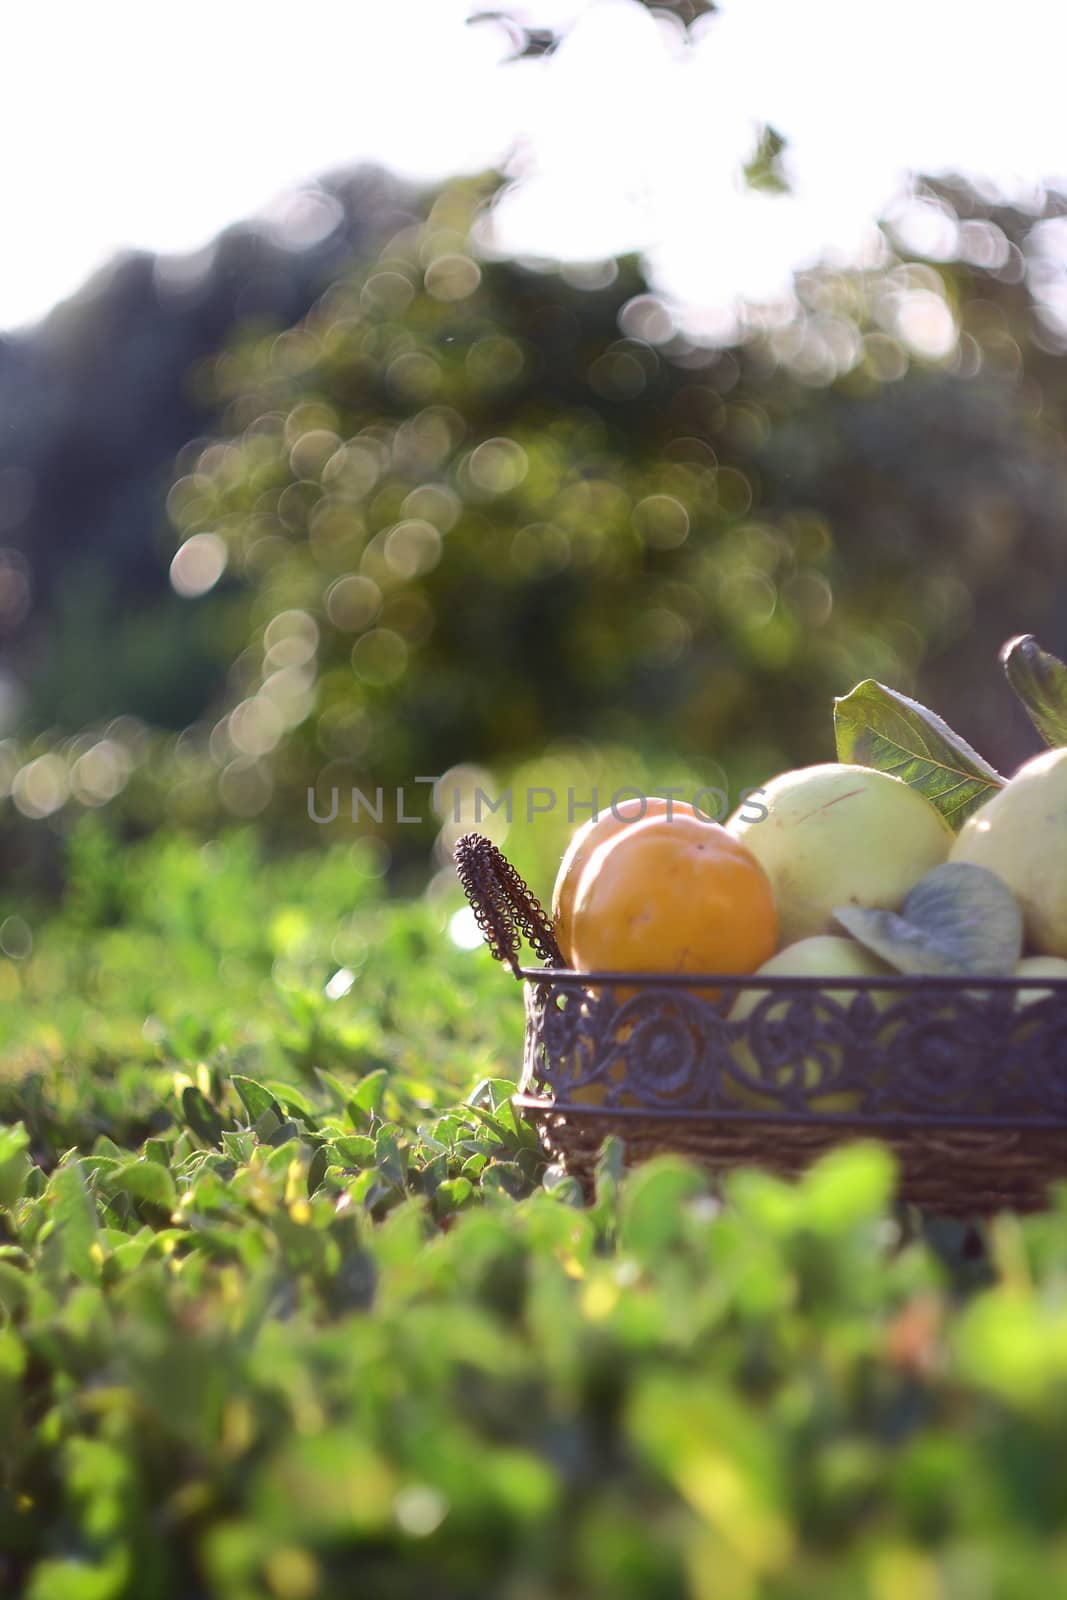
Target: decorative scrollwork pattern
934,1052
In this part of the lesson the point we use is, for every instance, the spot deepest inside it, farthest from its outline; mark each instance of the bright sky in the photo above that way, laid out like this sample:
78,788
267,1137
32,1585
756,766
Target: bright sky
153,126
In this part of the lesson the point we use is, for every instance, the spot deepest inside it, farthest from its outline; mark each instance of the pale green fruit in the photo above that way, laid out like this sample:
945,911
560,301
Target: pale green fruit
839,835
821,956
1038,967
1021,835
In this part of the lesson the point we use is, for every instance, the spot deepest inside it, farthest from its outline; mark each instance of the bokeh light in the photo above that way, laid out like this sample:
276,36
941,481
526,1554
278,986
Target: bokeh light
198,565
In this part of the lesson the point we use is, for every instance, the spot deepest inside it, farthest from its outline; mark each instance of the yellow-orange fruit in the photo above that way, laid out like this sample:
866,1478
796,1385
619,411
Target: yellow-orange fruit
593,833
673,896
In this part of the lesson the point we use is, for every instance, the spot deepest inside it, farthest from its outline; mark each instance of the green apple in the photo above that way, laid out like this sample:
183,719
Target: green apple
1021,835
820,956
1038,967
838,835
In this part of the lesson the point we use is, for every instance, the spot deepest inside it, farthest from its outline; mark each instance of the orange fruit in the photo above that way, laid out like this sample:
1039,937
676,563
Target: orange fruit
586,839
679,896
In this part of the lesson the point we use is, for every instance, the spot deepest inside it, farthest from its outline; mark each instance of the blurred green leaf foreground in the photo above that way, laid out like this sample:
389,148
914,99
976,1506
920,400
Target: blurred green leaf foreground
290,1306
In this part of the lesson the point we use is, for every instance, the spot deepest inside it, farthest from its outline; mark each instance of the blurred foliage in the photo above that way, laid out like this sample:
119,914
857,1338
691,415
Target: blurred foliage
471,515
291,1308
530,40
765,170
94,405
478,507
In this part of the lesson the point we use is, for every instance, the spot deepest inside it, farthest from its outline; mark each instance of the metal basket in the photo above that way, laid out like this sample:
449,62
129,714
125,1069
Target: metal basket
964,1079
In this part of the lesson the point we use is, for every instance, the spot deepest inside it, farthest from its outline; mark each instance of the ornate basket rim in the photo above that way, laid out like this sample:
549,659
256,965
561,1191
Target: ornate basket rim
742,1071
569,977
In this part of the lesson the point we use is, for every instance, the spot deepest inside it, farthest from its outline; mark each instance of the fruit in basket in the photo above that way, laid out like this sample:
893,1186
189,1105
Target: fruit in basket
825,956
1036,968
594,1094
1021,835
838,835
822,955
1039,967
597,831
959,918
673,896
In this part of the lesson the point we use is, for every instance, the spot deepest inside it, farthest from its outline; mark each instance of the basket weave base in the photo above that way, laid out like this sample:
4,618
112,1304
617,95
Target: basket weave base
961,1172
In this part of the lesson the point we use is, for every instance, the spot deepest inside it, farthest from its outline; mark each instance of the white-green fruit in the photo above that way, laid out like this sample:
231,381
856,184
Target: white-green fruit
1039,967
1021,835
826,956
839,835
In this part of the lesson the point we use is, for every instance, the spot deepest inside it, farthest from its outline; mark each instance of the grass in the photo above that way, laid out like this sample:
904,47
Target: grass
290,1306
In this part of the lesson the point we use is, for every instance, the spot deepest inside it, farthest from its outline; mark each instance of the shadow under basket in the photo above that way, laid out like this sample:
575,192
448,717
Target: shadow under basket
964,1079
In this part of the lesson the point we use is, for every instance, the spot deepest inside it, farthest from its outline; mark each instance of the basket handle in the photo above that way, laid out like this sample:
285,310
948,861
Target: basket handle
504,907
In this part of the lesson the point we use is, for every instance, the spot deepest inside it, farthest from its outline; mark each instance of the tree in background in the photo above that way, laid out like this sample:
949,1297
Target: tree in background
478,508
94,405
462,510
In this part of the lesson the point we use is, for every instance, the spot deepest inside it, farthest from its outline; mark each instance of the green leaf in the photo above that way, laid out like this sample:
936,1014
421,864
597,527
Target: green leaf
389,1156
67,1578
15,1163
238,1146
764,170
909,950
77,1222
14,1288
503,1134
368,1093
495,1094
847,1186
504,1177
1040,681
201,1115
338,1091
317,1168
355,1149
12,1355
562,1186
1004,1345
283,1134
652,1209
255,1098
267,1124
958,919
452,1193
147,1180
290,1099
607,1182
128,1255
878,727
